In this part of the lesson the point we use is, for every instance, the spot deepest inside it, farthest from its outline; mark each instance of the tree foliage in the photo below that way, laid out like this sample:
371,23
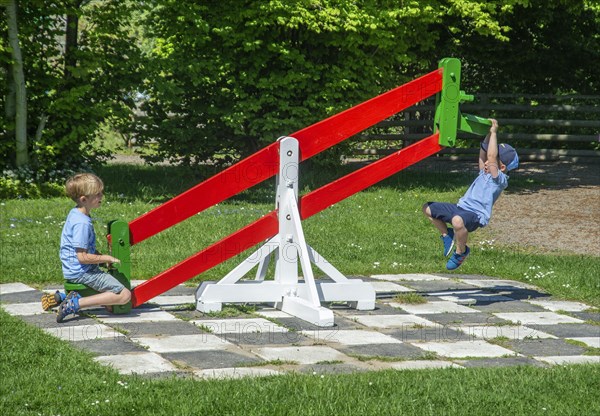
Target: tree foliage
218,79
70,92
229,76
552,47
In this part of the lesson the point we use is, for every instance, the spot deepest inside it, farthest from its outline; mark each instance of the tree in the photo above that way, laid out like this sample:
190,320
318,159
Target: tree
229,76
17,109
81,64
549,47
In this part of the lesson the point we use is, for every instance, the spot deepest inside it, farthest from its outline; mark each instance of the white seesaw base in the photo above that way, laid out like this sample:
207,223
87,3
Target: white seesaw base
298,297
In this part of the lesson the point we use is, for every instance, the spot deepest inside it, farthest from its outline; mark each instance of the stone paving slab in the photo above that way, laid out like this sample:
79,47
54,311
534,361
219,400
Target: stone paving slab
467,321
7,288
240,326
178,327
351,337
513,332
300,354
91,331
249,340
28,296
557,305
427,334
204,360
426,286
139,363
587,316
462,349
466,318
511,306
538,318
545,347
569,330
564,360
389,287
433,308
593,342
400,351
182,343
471,297
105,347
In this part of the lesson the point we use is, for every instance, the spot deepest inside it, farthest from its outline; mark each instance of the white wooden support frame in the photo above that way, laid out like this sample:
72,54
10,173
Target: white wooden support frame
298,297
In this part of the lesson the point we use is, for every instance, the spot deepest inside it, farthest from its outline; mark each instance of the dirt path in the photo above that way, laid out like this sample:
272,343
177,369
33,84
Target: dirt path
560,215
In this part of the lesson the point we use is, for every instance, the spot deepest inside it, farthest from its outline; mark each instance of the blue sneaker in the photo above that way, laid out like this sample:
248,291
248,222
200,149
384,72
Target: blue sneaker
69,306
457,259
448,241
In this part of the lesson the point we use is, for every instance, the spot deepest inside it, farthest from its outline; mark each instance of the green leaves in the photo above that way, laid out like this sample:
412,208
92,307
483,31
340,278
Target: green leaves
74,94
255,73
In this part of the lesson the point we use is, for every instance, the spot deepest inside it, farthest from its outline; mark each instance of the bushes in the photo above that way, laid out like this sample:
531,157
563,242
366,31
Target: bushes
26,183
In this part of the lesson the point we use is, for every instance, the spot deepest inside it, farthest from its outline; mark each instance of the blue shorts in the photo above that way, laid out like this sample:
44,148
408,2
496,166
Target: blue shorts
99,280
445,211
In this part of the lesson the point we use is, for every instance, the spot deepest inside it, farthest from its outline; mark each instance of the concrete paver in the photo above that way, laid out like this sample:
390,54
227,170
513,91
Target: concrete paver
466,321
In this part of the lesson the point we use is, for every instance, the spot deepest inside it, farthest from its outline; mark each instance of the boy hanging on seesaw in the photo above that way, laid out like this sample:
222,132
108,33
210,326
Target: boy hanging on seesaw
474,209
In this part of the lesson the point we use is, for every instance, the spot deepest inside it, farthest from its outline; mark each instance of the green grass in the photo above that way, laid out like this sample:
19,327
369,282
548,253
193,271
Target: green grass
378,231
410,298
44,375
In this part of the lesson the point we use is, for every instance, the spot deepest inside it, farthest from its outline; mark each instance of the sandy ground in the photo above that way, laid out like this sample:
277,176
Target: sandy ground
561,215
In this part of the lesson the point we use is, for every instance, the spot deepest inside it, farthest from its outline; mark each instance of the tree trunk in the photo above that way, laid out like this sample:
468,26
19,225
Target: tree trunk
9,104
19,85
71,39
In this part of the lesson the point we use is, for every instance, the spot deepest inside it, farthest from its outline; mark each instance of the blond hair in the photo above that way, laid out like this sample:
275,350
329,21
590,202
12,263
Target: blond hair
83,184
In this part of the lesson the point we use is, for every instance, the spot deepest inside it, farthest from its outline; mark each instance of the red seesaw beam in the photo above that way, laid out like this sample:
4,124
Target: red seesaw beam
265,163
267,226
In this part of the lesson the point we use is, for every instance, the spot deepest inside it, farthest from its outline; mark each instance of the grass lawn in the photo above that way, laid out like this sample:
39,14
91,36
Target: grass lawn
378,231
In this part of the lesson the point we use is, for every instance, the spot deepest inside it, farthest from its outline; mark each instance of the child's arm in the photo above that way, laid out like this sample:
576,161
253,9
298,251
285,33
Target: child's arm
492,152
87,258
483,153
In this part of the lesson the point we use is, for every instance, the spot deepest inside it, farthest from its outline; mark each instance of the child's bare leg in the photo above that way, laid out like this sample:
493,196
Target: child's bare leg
460,234
439,224
106,298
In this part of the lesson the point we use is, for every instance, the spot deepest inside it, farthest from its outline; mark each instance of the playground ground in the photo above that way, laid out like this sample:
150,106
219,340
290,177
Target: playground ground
557,216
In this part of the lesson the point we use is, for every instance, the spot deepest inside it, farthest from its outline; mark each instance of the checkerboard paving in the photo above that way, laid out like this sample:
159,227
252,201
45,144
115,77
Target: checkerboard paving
465,321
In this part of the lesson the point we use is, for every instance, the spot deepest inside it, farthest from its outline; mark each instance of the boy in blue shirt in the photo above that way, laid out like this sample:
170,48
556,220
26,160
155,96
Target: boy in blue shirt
474,209
80,260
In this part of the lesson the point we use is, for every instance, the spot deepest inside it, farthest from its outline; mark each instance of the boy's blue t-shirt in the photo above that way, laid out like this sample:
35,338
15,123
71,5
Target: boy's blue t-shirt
78,232
482,194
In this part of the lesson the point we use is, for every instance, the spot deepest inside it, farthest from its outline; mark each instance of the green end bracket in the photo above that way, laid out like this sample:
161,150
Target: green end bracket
448,118
121,249
447,101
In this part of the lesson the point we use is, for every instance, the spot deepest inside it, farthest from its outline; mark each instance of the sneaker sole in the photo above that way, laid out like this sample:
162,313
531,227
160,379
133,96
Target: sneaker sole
49,301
